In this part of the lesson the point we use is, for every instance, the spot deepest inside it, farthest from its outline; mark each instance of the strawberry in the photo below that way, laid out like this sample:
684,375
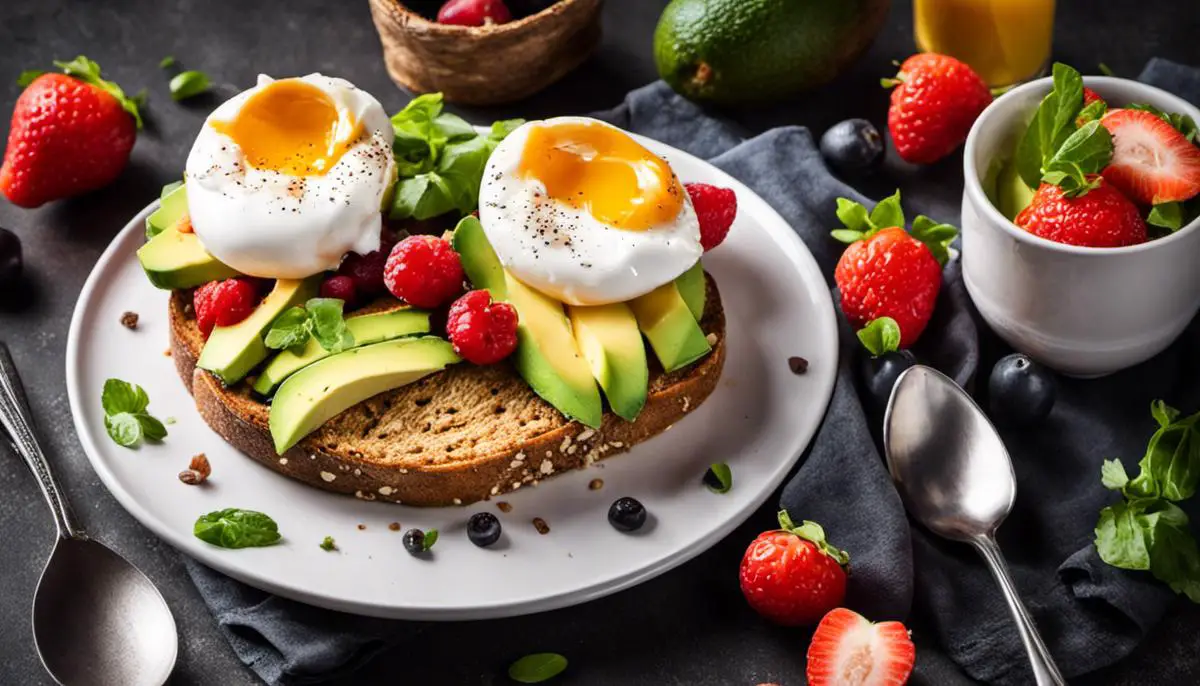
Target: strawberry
716,209
935,101
887,272
1090,96
1152,162
71,133
848,649
792,575
1099,218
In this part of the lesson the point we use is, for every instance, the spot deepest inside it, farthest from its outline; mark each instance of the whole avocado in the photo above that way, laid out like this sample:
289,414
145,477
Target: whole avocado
744,51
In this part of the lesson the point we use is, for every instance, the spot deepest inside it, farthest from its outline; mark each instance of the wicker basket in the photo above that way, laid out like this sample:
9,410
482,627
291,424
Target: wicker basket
486,65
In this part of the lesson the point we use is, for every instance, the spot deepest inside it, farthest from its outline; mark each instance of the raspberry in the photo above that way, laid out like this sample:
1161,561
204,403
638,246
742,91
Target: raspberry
423,271
716,207
224,303
482,331
340,287
366,271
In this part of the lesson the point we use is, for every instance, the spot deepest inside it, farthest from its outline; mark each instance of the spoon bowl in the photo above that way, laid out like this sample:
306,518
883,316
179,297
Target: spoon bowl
947,461
955,477
98,619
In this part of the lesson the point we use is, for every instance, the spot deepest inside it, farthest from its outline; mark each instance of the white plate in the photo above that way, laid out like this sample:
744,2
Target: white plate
758,420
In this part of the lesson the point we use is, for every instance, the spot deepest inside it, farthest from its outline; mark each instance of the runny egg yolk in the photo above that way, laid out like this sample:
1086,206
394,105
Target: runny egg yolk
594,167
291,127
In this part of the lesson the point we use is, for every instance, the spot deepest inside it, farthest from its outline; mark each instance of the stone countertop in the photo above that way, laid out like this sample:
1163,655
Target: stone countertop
708,636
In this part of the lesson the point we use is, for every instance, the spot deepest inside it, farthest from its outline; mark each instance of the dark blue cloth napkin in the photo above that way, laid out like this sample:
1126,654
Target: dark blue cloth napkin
1090,614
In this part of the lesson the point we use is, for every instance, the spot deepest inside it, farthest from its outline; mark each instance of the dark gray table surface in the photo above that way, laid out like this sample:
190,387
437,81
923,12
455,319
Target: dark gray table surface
709,636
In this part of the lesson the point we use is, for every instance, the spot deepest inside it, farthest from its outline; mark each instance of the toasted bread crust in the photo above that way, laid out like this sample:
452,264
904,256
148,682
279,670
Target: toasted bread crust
509,437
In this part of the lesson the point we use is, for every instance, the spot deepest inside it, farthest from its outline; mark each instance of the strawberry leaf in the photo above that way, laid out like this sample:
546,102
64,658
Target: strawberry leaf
888,213
1167,215
28,76
847,236
853,215
88,71
880,336
811,531
937,237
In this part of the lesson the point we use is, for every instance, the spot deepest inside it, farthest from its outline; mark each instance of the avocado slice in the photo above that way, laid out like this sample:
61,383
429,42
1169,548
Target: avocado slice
366,329
232,351
547,356
608,337
174,259
311,396
668,324
692,289
171,208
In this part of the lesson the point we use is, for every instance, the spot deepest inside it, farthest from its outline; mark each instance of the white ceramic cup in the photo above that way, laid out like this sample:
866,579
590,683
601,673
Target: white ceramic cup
1082,311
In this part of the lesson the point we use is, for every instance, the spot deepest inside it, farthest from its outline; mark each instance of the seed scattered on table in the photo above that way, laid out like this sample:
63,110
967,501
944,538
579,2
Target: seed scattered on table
595,484
540,524
198,470
362,527
798,365
504,506
394,526
129,320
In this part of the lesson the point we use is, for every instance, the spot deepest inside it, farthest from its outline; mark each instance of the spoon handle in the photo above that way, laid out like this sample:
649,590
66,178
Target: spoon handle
1045,672
16,420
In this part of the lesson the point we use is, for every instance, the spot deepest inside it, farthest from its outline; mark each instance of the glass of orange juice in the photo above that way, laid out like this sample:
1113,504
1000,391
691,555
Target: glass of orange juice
1005,41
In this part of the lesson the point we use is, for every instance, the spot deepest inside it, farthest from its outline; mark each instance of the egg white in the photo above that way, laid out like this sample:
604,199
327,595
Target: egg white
270,224
567,253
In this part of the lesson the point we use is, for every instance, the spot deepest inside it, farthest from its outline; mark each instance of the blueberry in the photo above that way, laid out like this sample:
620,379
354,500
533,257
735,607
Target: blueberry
879,374
414,541
627,514
853,145
483,528
10,257
1020,391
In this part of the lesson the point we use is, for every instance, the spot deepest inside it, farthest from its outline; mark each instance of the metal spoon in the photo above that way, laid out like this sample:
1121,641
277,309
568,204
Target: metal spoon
955,477
97,619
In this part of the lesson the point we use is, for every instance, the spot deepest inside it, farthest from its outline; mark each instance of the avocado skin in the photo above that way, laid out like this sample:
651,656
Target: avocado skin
746,51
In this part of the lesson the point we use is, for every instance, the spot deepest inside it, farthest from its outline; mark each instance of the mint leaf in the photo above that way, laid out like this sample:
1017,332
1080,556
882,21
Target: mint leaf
722,478
188,84
1163,413
328,326
328,544
454,127
1174,558
1083,154
290,329
123,428
461,166
1167,215
431,537
152,429
534,669
28,76
1112,475
853,216
936,236
1052,123
1091,112
166,62
121,396
887,213
1170,468
236,528
880,336
422,197
1183,123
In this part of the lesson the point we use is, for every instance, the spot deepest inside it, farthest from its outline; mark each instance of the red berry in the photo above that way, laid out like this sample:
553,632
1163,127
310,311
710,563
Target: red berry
1100,218
424,271
933,106
793,576
716,208
68,136
482,331
224,303
340,287
889,274
474,12
1152,162
1090,96
366,271
846,648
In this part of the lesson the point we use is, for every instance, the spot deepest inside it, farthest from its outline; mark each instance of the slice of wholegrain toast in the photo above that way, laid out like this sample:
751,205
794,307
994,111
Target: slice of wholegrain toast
456,437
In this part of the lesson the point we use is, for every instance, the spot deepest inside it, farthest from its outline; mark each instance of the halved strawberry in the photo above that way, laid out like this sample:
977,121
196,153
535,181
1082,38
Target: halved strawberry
1152,162
849,649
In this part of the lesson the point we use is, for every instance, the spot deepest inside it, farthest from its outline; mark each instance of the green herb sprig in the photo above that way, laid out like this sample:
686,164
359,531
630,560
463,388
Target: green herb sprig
536,668
234,527
319,318
125,417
